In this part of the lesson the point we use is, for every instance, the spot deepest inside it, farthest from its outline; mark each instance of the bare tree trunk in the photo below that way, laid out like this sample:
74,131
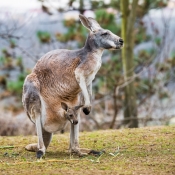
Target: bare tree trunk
115,109
81,9
128,20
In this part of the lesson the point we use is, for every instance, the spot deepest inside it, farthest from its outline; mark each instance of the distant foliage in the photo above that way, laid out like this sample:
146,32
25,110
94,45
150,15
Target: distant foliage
108,21
76,32
15,87
110,74
44,36
11,62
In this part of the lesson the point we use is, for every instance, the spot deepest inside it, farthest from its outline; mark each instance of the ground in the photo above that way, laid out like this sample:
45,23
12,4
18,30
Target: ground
149,151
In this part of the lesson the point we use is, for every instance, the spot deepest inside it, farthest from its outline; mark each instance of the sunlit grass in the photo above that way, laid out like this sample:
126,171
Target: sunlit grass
126,151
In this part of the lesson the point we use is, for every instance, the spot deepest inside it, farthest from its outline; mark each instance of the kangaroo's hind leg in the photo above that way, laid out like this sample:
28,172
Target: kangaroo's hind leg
34,112
74,141
44,137
41,147
47,137
32,105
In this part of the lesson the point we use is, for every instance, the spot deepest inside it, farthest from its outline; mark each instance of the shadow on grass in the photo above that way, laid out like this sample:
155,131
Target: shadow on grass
59,155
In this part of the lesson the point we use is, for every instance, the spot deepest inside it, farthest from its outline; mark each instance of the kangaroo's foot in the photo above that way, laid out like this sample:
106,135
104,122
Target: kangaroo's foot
84,152
39,154
32,147
87,109
80,151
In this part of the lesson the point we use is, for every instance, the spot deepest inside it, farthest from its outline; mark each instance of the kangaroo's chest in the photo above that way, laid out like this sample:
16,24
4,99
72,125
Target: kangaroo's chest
91,74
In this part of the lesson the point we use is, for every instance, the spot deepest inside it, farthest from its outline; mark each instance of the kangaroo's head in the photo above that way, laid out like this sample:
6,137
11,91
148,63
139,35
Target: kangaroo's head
99,37
71,113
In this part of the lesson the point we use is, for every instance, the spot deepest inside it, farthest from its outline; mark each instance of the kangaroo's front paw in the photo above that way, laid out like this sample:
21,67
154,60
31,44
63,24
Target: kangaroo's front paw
39,154
87,110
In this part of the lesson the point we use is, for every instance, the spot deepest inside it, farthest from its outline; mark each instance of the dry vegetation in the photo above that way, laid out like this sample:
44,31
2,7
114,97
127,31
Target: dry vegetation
127,151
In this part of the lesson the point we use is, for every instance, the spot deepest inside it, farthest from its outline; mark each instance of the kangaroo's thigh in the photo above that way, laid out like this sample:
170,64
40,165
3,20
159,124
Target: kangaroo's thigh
47,137
31,100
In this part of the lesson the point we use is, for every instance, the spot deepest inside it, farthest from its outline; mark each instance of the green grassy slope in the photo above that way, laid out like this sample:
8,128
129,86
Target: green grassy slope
127,151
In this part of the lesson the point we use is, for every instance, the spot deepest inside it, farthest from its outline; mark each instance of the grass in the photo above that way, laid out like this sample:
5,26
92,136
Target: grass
127,151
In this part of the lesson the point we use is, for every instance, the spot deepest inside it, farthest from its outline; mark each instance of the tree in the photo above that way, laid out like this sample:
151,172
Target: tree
128,20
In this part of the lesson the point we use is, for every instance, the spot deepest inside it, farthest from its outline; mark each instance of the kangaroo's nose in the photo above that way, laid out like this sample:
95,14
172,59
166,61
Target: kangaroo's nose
75,122
121,41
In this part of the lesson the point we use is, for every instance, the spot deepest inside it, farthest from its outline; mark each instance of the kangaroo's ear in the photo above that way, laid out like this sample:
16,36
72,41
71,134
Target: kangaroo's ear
78,107
89,23
85,21
64,106
94,24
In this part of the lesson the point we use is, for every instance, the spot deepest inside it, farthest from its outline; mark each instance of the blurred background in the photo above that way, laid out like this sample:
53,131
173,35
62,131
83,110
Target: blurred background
135,85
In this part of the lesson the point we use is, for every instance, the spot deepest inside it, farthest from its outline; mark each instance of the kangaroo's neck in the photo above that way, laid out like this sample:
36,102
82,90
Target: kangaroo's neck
91,49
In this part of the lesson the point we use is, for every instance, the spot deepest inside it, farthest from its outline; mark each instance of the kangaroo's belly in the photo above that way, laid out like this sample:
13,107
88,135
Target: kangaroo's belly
53,121
52,116
53,127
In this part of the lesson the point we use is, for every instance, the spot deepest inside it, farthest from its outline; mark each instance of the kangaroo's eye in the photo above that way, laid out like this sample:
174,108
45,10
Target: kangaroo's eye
104,34
71,116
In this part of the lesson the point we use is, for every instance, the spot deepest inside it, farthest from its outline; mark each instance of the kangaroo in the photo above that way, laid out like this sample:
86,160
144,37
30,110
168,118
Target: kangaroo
32,107
66,76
